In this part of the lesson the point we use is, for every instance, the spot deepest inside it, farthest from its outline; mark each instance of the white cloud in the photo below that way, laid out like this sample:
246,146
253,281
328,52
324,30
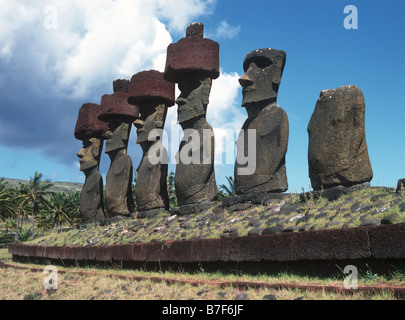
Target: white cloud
226,31
179,12
224,114
224,109
95,41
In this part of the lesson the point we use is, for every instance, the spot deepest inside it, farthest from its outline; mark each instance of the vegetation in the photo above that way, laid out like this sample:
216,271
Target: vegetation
34,201
227,191
113,282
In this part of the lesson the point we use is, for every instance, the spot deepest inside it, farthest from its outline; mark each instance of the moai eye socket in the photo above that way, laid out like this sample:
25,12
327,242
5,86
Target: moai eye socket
259,62
262,62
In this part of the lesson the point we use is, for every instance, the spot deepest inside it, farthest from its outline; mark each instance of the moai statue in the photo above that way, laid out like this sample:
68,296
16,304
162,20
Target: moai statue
193,62
153,95
263,141
91,131
337,152
119,114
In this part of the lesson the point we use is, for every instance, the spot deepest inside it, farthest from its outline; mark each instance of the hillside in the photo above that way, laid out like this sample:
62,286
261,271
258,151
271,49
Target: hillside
65,187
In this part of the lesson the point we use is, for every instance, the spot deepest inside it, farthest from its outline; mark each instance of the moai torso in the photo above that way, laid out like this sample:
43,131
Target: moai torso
337,151
195,174
267,124
193,62
119,115
91,202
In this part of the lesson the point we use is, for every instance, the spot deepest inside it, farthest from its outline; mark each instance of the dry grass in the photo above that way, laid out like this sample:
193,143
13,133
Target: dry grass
105,284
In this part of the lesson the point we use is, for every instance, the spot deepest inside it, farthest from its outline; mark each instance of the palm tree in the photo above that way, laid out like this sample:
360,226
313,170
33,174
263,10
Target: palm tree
34,193
74,208
171,191
57,208
228,191
7,201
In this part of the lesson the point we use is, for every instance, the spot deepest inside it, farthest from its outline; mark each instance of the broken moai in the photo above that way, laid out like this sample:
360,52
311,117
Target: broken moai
153,95
263,141
119,114
337,152
193,62
91,131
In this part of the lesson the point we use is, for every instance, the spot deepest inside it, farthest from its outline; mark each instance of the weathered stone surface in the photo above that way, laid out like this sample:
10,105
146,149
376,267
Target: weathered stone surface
193,62
389,219
116,106
118,114
262,198
193,54
260,163
337,152
387,241
370,222
91,130
194,208
88,125
91,198
272,230
150,213
153,94
377,242
149,85
400,185
332,193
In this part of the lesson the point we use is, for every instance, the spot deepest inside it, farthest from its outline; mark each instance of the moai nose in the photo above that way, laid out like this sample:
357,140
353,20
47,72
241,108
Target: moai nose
80,154
138,123
245,81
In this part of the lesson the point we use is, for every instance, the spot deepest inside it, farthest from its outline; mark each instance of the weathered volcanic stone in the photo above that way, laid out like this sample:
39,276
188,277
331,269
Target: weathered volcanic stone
91,131
119,115
153,94
260,163
400,185
121,85
88,125
192,54
116,106
148,85
193,62
337,153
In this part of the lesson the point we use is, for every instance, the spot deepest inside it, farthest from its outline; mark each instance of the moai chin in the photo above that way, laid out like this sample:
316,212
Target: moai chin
91,131
193,62
337,151
263,141
153,95
119,115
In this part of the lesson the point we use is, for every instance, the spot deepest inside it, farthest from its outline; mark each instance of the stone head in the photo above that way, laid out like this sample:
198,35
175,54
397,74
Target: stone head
153,95
119,115
91,131
194,97
192,62
263,71
90,153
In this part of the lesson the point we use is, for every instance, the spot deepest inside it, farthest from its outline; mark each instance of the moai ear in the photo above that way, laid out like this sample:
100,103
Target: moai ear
206,83
278,68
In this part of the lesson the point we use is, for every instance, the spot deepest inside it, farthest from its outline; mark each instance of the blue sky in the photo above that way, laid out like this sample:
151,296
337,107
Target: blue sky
56,56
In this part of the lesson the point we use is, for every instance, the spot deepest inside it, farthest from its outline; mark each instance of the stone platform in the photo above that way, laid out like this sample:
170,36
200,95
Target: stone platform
315,252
